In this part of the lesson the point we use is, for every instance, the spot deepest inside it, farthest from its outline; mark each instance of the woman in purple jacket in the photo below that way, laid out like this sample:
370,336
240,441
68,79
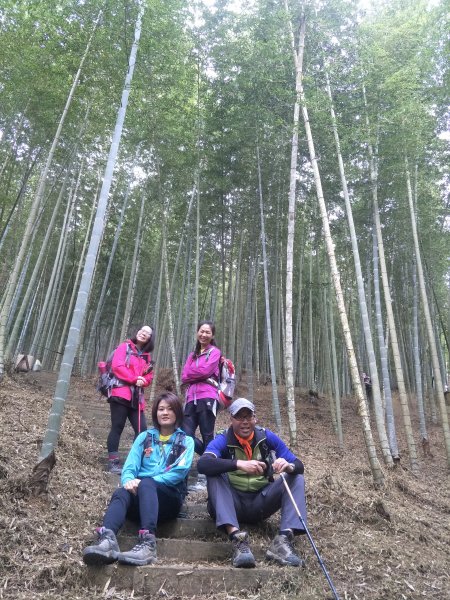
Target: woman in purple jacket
201,372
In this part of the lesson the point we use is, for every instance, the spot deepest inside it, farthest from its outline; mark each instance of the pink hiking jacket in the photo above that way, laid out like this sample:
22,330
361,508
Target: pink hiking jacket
130,373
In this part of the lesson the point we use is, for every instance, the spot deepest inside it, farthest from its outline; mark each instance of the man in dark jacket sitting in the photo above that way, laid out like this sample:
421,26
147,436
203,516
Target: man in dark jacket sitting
239,465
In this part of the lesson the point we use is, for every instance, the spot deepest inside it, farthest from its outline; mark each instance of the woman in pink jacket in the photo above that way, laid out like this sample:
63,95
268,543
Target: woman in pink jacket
200,372
132,367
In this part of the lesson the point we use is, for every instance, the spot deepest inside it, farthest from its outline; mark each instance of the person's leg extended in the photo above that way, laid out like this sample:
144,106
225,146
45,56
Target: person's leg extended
157,502
190,424
138,424
206,421
144,552
274,496
148,504
119,415
106,549
225,506
120,503
169,500
222,502
289,517
118,420
281,549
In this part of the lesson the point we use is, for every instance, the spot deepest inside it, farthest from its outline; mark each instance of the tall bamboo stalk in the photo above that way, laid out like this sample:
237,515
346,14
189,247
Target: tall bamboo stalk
62,385
133,271
169,314
388,300
289,345
368,438
275,402
428,321
376,388
382,348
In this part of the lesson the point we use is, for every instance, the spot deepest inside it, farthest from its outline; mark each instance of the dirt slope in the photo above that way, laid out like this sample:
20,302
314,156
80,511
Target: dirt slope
392,543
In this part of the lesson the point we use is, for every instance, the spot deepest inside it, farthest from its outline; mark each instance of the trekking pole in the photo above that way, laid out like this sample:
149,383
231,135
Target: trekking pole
139,410
140,403
333,589
139,417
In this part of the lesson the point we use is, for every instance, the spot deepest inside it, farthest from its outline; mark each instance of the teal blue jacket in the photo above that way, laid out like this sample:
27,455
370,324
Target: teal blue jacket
144,462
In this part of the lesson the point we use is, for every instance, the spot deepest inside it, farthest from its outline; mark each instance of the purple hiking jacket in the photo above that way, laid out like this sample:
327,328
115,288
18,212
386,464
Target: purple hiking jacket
197,370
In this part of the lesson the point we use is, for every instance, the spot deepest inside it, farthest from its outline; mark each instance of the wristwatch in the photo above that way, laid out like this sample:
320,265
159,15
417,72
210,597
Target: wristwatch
291,467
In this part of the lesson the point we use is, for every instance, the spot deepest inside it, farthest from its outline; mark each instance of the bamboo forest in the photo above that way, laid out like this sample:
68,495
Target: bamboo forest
278,168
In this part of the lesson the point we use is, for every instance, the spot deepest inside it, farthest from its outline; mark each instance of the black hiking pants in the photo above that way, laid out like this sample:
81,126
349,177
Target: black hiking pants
153,503
120,412
201,415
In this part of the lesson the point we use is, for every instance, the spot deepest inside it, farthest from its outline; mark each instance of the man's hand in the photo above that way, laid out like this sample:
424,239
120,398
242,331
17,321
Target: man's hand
252,467
132,485
140,381
281,465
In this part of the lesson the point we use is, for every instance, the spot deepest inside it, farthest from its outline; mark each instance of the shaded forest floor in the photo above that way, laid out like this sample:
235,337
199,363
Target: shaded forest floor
389,543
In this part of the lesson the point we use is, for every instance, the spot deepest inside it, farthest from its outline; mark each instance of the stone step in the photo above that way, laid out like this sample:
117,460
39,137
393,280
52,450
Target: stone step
181,579
91,404
179,528
100,427
179,550
199,528
189,509
96,419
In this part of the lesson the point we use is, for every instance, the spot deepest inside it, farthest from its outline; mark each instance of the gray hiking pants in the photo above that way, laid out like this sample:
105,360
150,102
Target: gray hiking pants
229,506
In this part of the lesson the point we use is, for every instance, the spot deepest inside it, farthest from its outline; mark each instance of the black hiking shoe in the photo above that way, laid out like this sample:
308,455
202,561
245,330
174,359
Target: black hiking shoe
105,551
144,553
242,555
282,551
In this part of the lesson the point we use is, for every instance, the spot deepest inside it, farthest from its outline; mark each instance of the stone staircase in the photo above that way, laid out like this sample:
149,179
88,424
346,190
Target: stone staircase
193,557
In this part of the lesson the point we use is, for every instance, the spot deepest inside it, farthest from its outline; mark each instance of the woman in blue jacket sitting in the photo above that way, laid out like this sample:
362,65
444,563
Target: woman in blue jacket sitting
153,486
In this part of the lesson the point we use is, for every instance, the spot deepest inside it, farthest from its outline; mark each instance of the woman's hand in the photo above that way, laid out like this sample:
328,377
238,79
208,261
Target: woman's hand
132,485
140,381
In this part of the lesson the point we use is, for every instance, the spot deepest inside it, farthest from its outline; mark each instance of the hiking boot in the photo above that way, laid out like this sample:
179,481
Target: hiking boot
199,486
114,466
105,551
144,553
242,555
282,551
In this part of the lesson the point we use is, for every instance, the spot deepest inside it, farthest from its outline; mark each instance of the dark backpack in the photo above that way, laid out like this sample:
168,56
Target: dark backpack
107,380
